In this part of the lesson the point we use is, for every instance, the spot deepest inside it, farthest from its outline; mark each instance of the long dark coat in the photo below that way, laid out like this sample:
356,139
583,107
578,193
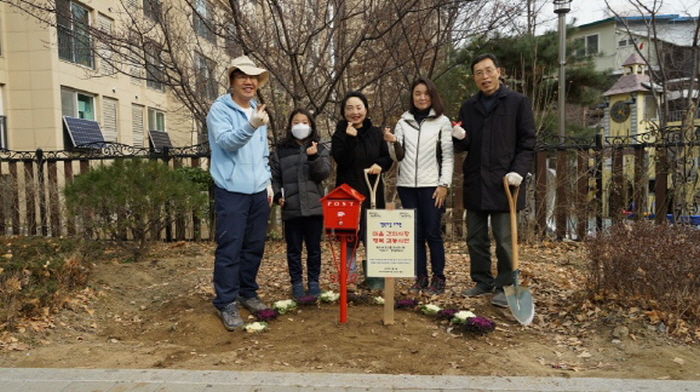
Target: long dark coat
354,154
497,143
301,176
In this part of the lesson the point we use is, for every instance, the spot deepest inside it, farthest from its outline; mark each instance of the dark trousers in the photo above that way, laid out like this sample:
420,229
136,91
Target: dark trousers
428,230
305,229
241,226
479,244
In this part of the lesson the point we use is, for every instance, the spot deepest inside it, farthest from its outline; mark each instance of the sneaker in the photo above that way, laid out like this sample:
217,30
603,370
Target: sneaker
314,289
253,304
231,317
297,290
421,284
437,286
476,291
499,299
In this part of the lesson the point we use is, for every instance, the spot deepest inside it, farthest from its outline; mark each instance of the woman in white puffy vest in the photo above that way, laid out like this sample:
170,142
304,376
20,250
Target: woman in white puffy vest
422,144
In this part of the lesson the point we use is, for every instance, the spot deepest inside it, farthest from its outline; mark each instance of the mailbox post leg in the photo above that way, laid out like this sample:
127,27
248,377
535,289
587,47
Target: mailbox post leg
343,279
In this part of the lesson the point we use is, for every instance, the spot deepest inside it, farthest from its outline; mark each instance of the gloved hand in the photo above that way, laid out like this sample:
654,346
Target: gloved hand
260,117
457,131
514,179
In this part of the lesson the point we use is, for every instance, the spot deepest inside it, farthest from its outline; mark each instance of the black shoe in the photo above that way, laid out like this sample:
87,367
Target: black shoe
314,289
421,283
297,290
499,299
231,317
476,291
437,286
253,304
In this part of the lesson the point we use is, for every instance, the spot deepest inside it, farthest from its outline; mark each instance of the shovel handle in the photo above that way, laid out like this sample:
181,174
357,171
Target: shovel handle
372,189
512,199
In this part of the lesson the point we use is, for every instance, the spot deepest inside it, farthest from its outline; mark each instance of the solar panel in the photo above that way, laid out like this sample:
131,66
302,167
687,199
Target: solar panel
159,139
83,132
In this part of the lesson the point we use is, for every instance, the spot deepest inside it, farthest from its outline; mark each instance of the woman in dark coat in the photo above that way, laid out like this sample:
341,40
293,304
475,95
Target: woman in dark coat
299,165
358,145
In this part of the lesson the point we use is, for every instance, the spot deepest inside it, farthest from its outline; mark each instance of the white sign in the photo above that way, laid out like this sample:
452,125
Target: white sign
390,243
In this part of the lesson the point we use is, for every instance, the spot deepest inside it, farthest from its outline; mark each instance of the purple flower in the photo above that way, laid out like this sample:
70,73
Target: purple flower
307,300
406,304
446,314
479,325
266,314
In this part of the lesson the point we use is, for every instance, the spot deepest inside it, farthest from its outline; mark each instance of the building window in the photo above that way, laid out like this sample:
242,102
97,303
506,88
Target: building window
77,104
629,41
154,67
137,125
106,54
156,120
586,46
73,27
3,132
205,81
152,9
202,20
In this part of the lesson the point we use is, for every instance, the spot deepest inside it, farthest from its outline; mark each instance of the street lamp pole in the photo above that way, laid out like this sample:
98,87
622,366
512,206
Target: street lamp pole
561,8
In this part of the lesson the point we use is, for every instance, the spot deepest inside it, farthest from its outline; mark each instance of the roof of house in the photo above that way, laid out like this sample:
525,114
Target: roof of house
635,58
630,83
665,19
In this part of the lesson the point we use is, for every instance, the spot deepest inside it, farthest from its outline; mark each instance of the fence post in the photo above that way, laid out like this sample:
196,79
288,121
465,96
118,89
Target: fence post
41,191
560,209
68,174
599,181
541,192
639,184
661,185
53,199
15,198
582,185
617,185
30,196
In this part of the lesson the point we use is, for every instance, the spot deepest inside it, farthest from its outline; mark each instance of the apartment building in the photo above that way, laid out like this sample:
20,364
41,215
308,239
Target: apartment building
60,86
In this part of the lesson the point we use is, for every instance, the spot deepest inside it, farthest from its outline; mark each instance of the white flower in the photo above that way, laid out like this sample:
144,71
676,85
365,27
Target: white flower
329,296
284,306
378,300
462,316
430,309
257,326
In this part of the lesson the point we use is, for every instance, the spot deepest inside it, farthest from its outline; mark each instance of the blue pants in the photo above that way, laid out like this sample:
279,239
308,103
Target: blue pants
305,229
428,220
241,227
479,244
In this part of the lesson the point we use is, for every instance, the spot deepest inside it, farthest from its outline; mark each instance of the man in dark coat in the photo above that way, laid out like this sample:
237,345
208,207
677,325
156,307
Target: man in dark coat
498,134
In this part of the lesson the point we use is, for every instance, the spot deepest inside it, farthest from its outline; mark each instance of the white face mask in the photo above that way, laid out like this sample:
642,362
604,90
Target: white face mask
301,131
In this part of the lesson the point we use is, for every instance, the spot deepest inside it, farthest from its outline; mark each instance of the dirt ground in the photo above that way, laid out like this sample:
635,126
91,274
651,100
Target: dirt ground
158,314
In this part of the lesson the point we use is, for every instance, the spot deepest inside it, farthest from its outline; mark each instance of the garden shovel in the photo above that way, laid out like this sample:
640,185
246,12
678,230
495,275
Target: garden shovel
519,298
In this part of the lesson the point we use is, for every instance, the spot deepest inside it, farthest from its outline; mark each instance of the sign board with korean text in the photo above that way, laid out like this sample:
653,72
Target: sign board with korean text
390,243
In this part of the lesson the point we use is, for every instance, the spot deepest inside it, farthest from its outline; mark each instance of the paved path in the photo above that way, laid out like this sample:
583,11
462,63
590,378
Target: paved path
166,380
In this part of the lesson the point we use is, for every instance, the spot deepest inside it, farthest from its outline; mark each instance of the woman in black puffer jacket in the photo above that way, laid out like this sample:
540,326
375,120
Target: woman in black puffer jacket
299,165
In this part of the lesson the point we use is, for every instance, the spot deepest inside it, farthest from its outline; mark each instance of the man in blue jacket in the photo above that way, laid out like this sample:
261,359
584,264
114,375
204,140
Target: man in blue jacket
237,129
498,135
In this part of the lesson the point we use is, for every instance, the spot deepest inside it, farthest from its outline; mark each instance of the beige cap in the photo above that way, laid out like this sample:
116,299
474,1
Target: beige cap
246,65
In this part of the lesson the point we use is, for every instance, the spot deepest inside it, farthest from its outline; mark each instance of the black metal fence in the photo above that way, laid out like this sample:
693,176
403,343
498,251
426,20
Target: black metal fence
578,186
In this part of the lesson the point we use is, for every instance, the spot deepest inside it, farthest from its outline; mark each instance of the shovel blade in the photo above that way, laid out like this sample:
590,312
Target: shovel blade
520,303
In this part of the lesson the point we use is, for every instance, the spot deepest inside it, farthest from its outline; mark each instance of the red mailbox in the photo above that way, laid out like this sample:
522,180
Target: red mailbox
341,209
